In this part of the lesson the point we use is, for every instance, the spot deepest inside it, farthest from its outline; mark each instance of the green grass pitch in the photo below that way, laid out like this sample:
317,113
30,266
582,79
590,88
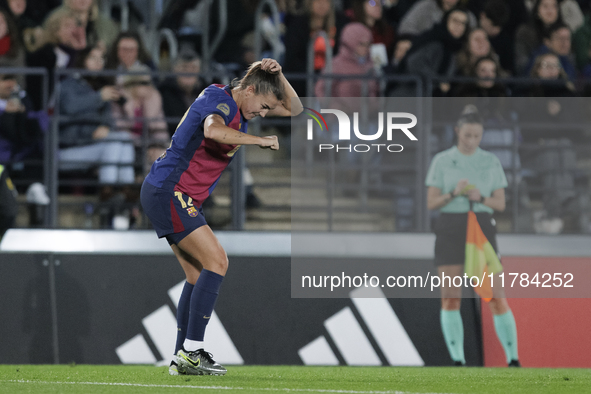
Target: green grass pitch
270,379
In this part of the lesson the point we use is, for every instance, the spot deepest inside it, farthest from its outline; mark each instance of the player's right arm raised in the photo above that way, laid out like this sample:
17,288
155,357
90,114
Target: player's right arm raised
215,129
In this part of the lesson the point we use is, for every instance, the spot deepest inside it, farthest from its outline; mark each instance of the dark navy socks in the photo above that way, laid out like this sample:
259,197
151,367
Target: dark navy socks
182,315
205,293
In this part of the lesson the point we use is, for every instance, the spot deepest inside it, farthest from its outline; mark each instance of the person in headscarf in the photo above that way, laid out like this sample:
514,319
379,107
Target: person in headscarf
433,53
353,59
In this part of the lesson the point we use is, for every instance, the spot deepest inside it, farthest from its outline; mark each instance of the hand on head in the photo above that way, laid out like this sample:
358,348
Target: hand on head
271,66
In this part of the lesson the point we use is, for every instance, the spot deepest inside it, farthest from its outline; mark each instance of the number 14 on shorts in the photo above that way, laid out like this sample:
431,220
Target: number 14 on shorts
187,205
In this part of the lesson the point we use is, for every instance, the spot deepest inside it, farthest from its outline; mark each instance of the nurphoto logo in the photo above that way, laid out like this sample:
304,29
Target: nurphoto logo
344,132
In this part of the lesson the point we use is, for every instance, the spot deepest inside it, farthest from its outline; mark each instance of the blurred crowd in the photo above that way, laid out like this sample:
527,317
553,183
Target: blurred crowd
546,40
102,117
118,121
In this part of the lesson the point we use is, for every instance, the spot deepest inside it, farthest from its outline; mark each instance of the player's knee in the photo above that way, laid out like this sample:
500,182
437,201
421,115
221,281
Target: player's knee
220,263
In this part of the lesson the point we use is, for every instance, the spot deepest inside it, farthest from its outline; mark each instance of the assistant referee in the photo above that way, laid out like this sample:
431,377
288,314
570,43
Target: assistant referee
459,177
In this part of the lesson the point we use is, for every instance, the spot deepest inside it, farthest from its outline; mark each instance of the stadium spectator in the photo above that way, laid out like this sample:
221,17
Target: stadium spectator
448,179
427,13
370,13
554,81
318,15
12,53
178,93
433,52
352,59
486,69
100,30
128,51
17,10
529,36
20,131
557,40
61,40
141,113
499,19
88,137
476,46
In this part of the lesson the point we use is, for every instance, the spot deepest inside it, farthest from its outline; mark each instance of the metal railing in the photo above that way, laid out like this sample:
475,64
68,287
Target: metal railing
276,45
207,48
172,42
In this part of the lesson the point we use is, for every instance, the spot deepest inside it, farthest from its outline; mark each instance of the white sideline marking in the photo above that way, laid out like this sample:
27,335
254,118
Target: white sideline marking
216,387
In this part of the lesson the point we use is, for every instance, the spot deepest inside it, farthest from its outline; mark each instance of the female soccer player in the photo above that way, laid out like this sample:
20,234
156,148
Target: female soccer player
206,139
450,173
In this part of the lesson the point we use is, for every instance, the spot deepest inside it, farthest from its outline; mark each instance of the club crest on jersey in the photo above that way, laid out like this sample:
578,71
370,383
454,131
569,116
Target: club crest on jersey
192,212
224,108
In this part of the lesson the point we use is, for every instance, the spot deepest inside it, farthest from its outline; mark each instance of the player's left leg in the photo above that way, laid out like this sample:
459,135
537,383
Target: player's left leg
192,269
505,326
201,245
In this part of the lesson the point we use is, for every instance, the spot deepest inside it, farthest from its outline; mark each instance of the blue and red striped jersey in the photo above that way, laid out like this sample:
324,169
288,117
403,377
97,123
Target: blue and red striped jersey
193,164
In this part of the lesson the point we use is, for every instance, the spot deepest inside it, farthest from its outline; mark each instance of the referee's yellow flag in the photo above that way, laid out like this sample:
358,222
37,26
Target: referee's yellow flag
481,258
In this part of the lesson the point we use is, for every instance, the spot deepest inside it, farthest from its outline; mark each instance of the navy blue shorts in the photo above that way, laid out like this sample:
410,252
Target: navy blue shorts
172,213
